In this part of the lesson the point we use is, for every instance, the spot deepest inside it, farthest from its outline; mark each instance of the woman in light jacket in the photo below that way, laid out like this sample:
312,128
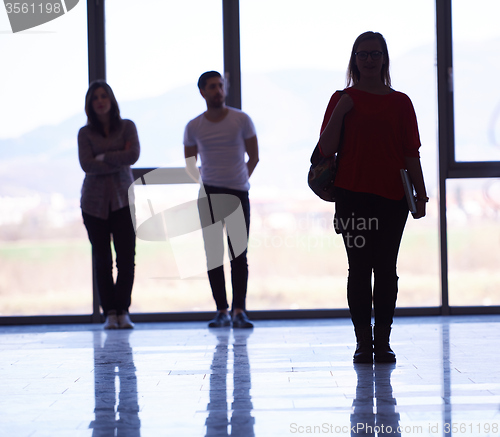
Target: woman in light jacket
107,147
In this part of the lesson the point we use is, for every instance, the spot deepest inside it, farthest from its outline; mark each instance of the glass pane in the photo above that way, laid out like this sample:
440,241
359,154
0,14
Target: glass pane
44,253
293,58
153,71
155,54
473,207
477,108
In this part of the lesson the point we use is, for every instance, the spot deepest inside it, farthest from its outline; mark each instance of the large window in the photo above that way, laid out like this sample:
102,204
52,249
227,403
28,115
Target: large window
44,253
293,58
476,35
473,211
473,204
155,54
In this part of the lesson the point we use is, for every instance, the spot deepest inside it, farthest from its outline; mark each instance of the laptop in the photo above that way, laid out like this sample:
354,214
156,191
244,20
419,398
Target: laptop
408,187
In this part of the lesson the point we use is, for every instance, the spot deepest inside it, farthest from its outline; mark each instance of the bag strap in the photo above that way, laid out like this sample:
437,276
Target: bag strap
341,138
316,155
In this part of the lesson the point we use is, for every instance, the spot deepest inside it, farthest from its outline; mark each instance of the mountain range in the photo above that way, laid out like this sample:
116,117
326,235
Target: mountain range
287,108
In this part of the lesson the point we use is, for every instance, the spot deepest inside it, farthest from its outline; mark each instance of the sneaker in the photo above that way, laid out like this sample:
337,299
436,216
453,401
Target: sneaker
221,320
241,321
124,321
111,321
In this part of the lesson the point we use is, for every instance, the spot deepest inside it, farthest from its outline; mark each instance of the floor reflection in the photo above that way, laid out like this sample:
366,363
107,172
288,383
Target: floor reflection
241,423
374,408
114,367
447,407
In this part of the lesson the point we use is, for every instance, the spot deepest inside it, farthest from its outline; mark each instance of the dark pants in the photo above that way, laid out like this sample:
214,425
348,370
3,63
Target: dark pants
119,226
214,248
372,227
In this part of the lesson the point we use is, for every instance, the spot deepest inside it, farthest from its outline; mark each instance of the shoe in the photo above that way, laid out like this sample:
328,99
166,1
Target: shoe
124,321
221,320
240,321
111,321
381,347
364,345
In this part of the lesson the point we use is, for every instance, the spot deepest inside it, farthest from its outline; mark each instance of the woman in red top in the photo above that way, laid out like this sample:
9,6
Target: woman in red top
380,138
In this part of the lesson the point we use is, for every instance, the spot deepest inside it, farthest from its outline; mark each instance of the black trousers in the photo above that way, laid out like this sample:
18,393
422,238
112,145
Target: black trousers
119,228
214,208
372,227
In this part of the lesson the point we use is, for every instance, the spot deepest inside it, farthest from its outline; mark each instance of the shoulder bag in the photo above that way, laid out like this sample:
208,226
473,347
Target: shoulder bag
321,177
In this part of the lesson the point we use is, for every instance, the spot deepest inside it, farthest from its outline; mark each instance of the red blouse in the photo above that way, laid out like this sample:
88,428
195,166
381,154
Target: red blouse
379,132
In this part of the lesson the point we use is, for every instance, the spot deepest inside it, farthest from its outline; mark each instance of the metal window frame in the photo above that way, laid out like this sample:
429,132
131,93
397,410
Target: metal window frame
448,166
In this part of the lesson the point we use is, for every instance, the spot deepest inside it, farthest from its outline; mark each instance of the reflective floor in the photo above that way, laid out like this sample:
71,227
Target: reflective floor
283,378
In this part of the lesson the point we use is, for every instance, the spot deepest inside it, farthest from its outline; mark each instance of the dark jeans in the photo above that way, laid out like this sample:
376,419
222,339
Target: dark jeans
372,227
119,226
214,246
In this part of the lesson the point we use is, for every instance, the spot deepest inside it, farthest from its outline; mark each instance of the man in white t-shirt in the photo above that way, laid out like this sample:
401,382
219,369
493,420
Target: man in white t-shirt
223,136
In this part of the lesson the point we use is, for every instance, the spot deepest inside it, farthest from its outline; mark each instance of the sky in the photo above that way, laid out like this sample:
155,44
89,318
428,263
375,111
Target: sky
166,44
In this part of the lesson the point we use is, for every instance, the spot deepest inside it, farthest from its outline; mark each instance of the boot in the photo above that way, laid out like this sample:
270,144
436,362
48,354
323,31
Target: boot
364,345
381,346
